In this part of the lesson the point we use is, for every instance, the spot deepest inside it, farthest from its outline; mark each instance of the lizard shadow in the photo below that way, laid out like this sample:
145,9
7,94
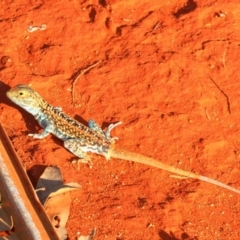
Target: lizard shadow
80,119
3,97
165,236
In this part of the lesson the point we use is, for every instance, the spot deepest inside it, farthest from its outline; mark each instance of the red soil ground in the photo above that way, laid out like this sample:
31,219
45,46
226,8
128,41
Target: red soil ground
169,71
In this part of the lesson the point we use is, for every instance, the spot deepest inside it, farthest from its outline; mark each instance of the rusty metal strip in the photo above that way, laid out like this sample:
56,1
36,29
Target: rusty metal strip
18,196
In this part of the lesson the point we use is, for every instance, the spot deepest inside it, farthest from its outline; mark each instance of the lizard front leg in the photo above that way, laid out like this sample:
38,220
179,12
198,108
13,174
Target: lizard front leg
47,125
41,135
47,129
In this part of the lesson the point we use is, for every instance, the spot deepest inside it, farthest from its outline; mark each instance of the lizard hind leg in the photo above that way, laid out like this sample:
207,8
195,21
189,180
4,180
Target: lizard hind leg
109,129
106,133
95,127
41,135
76,146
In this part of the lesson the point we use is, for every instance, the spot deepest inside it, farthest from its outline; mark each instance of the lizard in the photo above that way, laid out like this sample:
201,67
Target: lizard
80,139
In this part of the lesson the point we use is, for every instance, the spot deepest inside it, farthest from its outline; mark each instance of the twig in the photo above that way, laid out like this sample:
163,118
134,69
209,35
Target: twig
156,26
224,55
224,94
207,114
79,74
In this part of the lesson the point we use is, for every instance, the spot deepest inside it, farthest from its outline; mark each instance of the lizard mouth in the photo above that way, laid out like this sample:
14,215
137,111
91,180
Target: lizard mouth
11,96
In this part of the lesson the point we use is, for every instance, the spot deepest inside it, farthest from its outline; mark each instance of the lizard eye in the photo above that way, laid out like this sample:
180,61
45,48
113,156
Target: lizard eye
21,93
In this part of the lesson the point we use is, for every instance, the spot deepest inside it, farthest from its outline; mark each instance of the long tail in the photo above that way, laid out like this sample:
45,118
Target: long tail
139,158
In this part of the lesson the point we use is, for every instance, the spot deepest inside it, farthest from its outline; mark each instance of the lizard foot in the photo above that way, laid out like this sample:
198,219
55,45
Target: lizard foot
41,135
37,136
79,161
79,149
109,129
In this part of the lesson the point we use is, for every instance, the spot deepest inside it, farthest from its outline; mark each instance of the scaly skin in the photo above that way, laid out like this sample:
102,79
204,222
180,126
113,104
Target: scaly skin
80,139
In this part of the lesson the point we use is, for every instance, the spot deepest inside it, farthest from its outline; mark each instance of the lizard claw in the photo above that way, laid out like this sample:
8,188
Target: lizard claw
40,135
82,160
37,136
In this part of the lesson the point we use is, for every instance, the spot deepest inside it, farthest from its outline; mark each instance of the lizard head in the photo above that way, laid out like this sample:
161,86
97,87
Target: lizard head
26,98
